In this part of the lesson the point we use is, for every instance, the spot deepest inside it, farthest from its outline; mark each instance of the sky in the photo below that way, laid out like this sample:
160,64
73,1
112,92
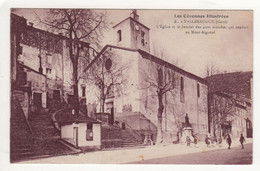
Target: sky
229,49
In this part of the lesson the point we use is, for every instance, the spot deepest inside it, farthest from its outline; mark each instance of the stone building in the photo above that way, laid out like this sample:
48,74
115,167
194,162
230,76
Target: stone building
230,103
41,60
41,80
40,65
135,106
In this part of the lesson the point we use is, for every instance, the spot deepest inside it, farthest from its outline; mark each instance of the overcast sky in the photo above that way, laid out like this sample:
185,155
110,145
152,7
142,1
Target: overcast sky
229,49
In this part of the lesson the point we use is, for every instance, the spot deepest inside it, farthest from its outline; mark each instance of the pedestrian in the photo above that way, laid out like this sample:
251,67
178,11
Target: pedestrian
219,141
212,140
195,141
207,141
242,140
188,141
229,141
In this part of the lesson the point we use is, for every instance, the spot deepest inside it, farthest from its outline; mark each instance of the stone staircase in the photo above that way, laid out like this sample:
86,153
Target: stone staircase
46,136
21,135
116,137
110,137
38,139
129,140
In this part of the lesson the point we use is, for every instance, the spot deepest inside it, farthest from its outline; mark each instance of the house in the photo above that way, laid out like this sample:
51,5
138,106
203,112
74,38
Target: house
134,106
41,75
230,103
41,68
79,131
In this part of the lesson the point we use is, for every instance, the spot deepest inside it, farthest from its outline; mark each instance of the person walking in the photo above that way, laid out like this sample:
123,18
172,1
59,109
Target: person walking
195,141
219,141
207,141
229,141
242,140
188,141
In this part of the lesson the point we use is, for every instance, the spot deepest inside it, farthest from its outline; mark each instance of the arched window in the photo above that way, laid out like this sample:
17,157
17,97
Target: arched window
182,84
198,90
160,77
142,38
119,35
182,98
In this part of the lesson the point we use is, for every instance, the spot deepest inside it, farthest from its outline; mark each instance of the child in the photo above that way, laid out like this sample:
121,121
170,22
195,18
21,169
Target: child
207,141
188,141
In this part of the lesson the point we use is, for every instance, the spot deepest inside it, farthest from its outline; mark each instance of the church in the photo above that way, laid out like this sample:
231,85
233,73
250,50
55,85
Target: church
133,101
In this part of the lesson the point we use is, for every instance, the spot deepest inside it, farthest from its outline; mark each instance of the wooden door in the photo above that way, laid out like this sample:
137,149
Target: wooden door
37,100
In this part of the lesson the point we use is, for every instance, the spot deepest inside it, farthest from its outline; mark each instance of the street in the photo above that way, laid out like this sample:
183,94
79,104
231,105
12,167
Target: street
169,154
235,155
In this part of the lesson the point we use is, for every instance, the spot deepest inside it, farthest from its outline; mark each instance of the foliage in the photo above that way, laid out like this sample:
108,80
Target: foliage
78,26
158,79
109,81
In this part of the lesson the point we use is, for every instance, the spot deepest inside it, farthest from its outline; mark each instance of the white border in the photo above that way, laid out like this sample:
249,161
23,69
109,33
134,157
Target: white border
114,4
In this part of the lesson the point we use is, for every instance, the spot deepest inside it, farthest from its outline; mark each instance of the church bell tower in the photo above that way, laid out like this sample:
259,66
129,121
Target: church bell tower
131,33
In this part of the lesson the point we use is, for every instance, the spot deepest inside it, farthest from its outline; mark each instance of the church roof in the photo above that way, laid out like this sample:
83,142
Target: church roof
66,117
130,18
153,58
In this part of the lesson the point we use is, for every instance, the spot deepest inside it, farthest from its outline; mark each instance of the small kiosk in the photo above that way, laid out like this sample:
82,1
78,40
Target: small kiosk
81,132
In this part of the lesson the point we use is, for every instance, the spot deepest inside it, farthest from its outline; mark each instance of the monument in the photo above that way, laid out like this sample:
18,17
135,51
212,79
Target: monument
186,130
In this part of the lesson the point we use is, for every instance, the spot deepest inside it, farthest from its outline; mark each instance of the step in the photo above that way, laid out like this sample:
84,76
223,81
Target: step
20,144
135,146
137,142
130,139
21,151
23,140
22,155
41,119
132,143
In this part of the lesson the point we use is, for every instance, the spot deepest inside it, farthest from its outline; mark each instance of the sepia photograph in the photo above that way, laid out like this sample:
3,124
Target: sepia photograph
131,86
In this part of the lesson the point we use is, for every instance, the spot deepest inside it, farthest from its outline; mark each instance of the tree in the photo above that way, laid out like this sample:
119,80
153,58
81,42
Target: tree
107,75
158,78
211,69
221,102
178,116
78,26
222,110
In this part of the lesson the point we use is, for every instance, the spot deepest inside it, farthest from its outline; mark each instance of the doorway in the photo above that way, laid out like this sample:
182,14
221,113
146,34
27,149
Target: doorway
37,100
112,117
75,136
249,132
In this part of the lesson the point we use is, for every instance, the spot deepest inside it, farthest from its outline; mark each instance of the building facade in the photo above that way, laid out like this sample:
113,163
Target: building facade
135,105
230,104
41,68
42,75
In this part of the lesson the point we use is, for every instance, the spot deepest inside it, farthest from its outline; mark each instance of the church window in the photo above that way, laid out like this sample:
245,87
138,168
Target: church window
142,37
119,35
198,90
182,99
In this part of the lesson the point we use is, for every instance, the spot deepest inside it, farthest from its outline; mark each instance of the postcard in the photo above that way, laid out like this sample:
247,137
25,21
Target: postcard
131,86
